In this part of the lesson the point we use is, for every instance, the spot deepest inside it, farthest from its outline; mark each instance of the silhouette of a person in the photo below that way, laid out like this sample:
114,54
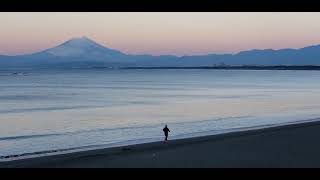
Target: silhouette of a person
166,131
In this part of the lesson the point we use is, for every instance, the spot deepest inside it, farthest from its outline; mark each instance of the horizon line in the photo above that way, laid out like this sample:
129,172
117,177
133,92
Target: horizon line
212,53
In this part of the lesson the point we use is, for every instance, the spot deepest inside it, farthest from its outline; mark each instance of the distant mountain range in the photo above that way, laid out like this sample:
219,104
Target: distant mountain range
85,53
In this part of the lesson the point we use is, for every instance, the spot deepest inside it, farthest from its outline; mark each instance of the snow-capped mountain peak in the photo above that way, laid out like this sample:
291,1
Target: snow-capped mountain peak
81,47
80,42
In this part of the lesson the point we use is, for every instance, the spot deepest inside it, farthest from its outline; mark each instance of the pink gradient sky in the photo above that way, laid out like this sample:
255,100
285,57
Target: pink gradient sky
160,33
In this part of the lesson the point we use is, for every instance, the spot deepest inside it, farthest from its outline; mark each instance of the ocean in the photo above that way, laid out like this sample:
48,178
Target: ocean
60,110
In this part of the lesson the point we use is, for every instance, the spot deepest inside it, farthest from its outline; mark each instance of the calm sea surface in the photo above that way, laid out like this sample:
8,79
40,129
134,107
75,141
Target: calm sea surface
44,110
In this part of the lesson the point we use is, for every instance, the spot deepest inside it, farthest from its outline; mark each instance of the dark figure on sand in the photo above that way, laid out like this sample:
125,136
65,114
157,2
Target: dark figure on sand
166,131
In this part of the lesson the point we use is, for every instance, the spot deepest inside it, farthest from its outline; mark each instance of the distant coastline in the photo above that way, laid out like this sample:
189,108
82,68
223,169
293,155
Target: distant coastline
244,67
84,52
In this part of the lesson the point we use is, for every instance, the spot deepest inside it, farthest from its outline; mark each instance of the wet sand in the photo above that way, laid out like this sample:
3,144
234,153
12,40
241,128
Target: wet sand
285,146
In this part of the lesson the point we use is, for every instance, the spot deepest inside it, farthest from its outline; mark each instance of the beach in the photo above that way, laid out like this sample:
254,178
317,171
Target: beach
232,90
295,145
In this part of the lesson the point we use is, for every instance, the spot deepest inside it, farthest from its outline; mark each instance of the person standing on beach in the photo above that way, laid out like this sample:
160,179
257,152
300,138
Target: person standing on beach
166,131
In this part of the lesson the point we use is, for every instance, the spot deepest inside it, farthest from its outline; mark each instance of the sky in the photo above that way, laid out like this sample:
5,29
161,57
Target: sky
160,33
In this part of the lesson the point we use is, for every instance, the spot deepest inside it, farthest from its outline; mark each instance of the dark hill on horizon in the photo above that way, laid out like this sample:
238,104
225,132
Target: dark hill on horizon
85,53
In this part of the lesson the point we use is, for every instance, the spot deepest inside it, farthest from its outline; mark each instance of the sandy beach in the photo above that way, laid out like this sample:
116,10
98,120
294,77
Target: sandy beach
285,146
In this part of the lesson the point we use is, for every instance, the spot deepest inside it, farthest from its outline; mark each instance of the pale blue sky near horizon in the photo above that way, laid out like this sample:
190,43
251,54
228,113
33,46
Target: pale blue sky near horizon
159,33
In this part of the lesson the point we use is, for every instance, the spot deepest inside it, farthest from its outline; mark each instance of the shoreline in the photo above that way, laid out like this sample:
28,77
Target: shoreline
59,160
55,152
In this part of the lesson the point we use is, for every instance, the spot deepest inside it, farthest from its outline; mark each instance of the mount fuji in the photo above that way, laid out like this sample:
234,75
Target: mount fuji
81,48
84,52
